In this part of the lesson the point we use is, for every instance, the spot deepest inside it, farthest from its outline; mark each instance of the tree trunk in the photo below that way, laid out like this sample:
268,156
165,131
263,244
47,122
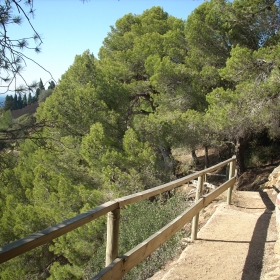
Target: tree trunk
230,149
195,158
206,156
240,155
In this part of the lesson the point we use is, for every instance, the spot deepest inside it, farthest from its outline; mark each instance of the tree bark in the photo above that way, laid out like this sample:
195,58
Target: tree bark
195,158
240,148
206,155
230,149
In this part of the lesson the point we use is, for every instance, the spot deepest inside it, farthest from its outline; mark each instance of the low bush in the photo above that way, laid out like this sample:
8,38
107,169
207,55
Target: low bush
143,219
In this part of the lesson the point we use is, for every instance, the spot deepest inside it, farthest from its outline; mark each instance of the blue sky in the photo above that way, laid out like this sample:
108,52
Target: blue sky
69,27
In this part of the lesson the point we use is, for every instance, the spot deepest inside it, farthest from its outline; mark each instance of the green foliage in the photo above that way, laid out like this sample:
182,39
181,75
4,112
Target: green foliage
111,124
47,196
40,89
9,103
143,219
133,53
138,222
262,150
29,99
24,100
206,34
18,102
65,272
36,260
80,248
6,120
51,85
44,94
78,101
41,85
121,171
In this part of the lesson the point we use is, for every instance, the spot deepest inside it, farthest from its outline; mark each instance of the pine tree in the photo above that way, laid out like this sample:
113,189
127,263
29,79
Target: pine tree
24,100
38,91
9,101
29,100
51,85
20,103
11,57
41,85
15,105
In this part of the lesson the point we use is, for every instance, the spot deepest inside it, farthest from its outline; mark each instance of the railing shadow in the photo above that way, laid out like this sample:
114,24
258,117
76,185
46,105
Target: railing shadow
254,260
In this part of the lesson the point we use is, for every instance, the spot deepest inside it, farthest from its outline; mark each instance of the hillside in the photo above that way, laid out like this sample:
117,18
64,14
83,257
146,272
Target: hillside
29,109
112,126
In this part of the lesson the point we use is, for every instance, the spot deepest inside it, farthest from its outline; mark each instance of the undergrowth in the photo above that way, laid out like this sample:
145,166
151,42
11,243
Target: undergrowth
139,221
143,219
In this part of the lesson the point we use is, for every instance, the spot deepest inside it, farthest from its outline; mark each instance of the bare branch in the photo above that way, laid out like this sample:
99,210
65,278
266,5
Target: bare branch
12,58
27,17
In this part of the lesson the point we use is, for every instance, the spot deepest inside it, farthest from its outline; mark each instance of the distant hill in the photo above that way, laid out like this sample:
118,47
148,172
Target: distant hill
29,109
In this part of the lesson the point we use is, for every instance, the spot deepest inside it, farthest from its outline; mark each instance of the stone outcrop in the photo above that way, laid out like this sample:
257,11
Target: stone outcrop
274,182
277,245
274,179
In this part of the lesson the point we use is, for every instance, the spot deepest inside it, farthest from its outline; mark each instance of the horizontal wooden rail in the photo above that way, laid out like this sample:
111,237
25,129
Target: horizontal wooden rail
169,186
30,242
121,265
211,196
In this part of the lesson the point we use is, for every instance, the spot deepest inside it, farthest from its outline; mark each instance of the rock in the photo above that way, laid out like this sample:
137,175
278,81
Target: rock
274,178
278,221
187,240
274,182
278,201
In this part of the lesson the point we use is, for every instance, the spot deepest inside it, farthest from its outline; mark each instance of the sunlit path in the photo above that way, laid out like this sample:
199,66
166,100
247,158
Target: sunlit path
236,243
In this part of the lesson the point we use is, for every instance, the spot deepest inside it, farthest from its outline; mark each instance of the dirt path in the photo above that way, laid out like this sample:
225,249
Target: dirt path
237,242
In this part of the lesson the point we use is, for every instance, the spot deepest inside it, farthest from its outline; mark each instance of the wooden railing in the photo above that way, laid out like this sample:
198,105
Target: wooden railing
118,266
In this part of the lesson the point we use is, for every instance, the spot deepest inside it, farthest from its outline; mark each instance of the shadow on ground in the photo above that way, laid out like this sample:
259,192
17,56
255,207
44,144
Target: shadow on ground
254,260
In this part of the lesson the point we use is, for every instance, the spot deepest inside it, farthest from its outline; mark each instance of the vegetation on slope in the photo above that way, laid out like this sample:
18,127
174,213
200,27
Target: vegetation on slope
109,127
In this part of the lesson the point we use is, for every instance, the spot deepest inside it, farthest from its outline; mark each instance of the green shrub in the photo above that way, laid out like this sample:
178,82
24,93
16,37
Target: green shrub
138,222
143,219
258,155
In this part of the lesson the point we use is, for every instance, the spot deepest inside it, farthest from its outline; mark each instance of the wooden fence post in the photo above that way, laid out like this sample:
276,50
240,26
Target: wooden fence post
113,225
195,219
231,174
